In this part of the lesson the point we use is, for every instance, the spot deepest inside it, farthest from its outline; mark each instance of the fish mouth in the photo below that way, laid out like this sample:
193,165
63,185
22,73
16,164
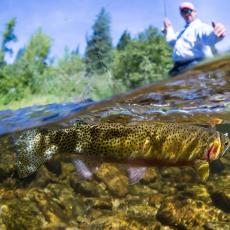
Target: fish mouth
213,150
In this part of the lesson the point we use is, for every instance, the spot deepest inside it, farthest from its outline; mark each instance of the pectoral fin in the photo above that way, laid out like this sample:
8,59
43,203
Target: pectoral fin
202,169
136,174
85,168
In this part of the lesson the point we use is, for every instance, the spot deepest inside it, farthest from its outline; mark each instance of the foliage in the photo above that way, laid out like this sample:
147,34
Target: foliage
143,60
103,72
23,76
65,79
7,37
98,56
124,40
37,50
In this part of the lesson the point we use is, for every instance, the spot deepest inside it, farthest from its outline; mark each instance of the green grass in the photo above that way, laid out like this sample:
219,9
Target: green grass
57,90
32,100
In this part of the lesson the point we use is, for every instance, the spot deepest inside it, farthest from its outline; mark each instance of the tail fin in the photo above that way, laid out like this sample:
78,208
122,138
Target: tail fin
33,150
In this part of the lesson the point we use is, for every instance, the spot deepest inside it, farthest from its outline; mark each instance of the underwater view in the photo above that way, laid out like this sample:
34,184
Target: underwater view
97,164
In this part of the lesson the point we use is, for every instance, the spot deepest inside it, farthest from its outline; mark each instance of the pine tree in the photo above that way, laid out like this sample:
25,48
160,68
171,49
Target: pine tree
98,56
124,40
8,36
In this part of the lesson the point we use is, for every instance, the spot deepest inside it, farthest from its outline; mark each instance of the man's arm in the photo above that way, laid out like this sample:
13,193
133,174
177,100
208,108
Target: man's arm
170,35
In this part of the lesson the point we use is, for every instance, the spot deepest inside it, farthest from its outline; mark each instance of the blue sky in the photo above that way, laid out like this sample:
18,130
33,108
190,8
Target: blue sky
68,21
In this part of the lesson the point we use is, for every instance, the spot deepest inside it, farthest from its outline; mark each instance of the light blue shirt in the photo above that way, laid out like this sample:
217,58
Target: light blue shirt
193,42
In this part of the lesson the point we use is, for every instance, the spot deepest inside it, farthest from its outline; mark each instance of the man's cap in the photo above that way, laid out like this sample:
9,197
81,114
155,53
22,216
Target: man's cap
186,5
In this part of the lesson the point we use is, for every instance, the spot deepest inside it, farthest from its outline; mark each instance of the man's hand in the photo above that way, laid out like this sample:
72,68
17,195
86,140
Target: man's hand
219,29
167,24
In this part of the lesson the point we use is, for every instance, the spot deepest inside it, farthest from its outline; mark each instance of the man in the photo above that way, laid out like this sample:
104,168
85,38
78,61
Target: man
194,42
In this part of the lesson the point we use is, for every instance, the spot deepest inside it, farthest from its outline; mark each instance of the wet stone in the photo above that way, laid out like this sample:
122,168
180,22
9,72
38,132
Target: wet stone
113,222
140,189
67,170
151,175
86,188
170,172
54,166
19,214
142,213
40,179
134,200
221,200
155,200
7,165
99,203
194,191
217,226
116,182
6,194
184,214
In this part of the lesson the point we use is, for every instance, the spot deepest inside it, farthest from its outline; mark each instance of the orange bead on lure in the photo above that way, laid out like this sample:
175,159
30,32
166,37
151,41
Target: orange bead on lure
138,145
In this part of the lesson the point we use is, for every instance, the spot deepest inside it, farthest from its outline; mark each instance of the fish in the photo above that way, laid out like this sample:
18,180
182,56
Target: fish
138,145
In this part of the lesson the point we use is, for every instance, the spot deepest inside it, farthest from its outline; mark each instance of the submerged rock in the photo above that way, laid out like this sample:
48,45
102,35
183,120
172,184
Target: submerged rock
186,214
21,214
221,199
7,159
84,187
116,182
142,213
113,222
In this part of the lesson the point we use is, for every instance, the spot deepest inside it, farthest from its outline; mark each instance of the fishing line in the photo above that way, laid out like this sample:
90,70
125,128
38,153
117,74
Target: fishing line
164,8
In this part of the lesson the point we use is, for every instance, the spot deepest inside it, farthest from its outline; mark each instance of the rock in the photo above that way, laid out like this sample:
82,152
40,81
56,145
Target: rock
184,214
7,162
99,203
221,200
84,187
151,175
54,166
217,226
6,194
155,200
116,182
113,222
194,191
67,169
21,214
41,179
142,213
140,189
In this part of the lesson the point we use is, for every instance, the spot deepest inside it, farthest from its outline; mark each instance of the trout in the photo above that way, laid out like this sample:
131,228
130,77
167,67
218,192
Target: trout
138,145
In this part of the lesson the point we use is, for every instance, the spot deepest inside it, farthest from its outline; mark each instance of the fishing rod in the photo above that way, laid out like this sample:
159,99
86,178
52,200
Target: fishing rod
165,14
164,8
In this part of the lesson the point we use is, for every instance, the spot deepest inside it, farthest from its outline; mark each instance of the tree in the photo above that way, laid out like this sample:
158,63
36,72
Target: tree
98,56
38,49
144,60
20,53
31,63
8,36
124,40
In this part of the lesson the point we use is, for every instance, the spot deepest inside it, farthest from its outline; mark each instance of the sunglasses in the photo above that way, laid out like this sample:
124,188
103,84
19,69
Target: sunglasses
186,11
